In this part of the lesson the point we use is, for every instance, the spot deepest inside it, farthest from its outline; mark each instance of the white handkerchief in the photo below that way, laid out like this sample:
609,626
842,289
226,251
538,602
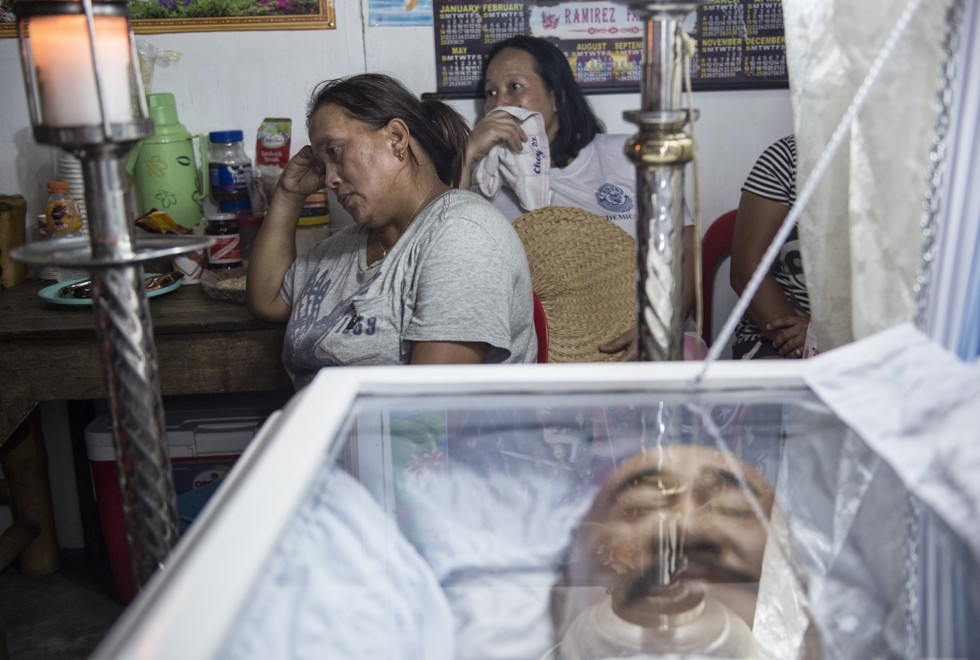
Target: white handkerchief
525,172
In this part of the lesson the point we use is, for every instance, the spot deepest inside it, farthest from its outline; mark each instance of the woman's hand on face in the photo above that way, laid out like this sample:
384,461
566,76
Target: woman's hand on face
626,342
491,130
303,175
788,334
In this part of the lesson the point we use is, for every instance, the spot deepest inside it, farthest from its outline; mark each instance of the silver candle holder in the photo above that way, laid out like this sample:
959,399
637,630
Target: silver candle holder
86,97
660,151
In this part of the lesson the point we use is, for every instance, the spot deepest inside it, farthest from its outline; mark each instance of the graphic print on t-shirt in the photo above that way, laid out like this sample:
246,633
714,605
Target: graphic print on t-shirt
307,328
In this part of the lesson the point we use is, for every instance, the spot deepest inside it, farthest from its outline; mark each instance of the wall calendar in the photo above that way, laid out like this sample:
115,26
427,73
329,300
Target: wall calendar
740,43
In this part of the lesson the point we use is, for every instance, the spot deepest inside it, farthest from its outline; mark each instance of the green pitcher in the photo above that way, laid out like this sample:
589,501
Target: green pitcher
166,173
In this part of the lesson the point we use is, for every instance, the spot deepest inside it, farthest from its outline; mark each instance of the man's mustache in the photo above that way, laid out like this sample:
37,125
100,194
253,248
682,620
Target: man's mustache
696,567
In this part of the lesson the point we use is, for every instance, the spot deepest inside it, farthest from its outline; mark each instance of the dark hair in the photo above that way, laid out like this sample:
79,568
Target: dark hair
577,123
375,99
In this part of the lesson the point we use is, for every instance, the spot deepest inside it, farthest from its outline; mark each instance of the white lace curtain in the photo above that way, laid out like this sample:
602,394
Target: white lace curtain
861,233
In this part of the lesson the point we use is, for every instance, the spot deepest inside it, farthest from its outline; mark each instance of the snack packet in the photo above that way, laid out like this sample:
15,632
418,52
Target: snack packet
272,152
160,222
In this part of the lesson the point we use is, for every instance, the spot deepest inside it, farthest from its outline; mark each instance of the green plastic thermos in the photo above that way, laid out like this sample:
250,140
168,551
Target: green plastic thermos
163,165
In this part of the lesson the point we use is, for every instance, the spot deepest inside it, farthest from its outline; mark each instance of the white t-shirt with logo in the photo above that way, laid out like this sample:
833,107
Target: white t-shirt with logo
601,180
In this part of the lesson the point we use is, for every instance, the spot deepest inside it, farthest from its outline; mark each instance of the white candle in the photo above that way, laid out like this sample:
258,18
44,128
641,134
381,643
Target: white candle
66,78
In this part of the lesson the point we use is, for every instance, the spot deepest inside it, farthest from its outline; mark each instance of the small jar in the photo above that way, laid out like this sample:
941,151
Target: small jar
226,251
229,171
316,208
314,222
62,217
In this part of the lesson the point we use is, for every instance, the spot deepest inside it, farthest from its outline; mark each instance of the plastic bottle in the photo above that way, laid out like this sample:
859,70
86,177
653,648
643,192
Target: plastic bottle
226,251
61,217
61,220
229,171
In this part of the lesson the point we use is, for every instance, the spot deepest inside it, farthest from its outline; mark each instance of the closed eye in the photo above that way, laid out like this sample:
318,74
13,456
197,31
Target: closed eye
326,152
737,512
634,513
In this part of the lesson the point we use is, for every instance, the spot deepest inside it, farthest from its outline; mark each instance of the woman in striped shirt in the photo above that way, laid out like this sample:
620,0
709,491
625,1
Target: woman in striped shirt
776,322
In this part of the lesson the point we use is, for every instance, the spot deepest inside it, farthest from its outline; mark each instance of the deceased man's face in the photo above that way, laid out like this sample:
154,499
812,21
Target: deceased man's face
681,513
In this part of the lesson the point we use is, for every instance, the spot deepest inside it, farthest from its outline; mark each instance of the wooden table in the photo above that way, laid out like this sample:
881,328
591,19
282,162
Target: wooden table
48,352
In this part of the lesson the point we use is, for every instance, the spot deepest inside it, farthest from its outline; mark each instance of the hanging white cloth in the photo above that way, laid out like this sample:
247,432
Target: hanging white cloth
915,404
910,407
861,233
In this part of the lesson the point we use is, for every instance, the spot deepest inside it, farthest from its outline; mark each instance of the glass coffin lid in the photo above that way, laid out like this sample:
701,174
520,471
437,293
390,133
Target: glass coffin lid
583,512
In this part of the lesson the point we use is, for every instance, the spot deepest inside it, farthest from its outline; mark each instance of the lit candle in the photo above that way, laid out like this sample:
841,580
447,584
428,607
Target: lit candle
65,72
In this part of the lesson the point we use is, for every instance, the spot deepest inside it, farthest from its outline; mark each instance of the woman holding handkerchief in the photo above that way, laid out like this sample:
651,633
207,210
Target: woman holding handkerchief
540,144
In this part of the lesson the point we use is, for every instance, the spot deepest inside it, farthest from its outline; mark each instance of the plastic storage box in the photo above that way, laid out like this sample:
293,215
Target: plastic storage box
204,444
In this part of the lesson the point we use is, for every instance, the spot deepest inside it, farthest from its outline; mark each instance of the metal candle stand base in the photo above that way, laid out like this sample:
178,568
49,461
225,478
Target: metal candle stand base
124,333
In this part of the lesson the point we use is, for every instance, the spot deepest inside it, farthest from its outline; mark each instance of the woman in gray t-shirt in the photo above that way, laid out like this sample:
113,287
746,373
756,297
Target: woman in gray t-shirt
426,275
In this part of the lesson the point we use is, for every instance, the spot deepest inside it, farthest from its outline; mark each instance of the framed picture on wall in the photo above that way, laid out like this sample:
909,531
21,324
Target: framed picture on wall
157,16
8,22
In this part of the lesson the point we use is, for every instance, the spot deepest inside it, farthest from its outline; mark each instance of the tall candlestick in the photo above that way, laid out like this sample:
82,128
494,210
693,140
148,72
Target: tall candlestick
66,77
661,151
89,100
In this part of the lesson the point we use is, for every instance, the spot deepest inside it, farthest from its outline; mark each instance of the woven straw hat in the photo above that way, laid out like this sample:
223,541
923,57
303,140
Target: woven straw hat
583,269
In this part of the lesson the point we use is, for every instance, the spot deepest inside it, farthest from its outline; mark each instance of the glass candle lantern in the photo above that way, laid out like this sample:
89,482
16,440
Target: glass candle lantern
79,66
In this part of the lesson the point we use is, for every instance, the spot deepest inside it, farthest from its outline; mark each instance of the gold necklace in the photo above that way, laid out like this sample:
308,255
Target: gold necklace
384,250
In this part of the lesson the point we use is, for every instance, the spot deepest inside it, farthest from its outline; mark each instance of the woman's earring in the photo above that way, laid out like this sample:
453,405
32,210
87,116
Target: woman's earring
399,155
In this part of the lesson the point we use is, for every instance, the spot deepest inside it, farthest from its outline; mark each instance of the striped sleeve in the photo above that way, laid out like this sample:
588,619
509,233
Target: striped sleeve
774,174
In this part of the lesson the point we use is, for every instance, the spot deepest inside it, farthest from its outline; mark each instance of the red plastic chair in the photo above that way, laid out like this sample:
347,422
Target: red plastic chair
717,243
541,330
